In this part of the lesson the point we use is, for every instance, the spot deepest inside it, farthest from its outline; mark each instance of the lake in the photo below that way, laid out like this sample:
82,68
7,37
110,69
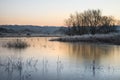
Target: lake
46,60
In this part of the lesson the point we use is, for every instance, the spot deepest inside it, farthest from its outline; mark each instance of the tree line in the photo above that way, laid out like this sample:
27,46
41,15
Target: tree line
89,22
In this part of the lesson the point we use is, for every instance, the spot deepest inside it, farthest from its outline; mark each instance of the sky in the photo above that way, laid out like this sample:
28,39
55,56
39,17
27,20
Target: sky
51,12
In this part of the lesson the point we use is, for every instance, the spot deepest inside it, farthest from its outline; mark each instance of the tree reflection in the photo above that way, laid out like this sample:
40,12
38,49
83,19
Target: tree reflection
93,67
87,51
89,55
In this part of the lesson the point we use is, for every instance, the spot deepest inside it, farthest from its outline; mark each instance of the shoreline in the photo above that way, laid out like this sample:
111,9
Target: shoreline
112,38
38,35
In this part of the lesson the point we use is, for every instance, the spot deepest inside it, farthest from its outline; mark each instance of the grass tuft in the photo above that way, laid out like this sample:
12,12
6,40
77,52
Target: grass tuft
18,44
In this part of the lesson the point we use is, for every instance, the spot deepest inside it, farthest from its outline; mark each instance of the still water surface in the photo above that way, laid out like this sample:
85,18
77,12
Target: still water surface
45,60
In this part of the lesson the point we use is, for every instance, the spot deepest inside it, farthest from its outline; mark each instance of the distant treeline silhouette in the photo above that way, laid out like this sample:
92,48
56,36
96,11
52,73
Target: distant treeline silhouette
90,22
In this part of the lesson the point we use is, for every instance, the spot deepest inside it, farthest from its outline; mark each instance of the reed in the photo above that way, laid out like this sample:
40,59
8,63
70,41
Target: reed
18,44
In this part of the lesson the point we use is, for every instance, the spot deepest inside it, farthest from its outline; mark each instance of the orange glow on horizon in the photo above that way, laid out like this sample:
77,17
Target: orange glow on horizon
28,21
41,20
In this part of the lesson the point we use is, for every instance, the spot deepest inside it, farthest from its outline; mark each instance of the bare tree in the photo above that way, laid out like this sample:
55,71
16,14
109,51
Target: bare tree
87,21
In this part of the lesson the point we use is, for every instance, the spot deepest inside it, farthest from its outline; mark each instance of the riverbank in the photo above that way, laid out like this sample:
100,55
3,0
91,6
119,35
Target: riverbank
30,35
112,38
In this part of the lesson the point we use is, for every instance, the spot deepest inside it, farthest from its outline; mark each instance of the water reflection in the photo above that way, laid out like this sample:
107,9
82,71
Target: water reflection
17,69
16,44
87,51
59,68
44,68
45,60
93,68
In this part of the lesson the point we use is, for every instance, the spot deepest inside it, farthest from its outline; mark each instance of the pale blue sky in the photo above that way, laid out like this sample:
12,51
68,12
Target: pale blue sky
51,12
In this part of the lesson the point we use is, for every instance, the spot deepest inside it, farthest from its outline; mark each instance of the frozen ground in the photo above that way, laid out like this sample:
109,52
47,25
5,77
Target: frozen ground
112,38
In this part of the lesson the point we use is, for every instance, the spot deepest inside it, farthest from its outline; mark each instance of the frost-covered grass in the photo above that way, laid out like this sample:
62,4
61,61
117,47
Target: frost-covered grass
113,38
18,44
